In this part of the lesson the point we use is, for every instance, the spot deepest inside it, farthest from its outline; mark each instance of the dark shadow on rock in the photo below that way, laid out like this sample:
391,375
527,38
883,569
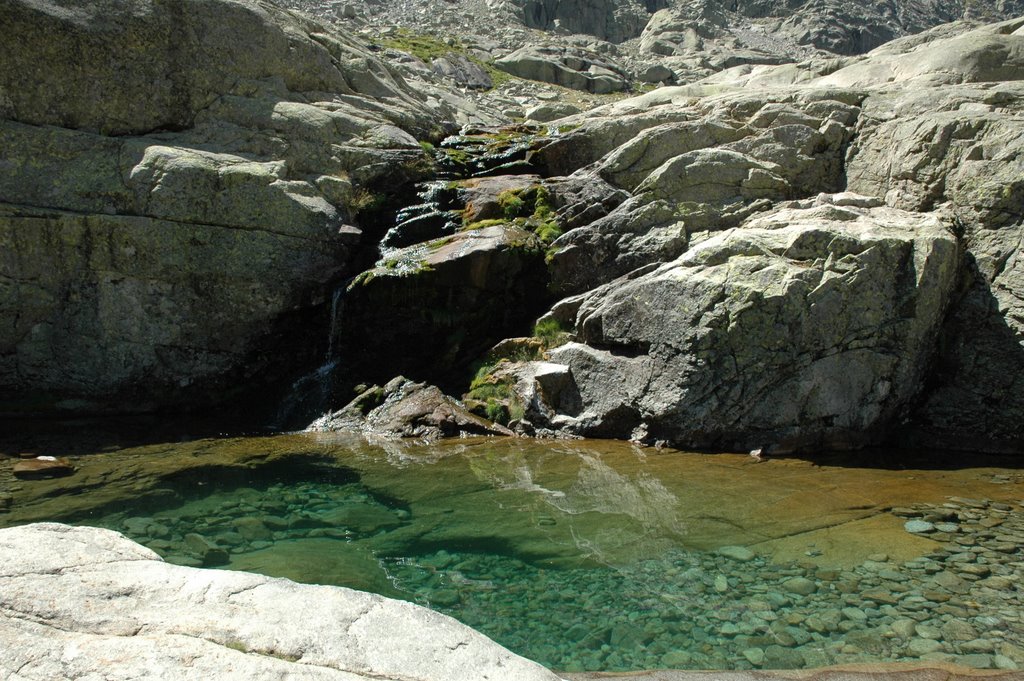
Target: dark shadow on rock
973,398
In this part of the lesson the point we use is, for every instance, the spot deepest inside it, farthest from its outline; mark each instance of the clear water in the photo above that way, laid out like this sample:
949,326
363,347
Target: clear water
601,556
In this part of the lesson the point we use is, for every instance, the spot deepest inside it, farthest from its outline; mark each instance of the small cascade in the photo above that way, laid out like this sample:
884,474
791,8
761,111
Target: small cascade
332,329
310,395
486,153
436,215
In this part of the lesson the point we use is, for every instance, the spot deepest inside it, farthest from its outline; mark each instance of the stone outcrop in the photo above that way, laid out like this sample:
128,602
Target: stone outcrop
406,409
571,67
958,149
701,166
809,326
298,162
430,309
164,223
81,602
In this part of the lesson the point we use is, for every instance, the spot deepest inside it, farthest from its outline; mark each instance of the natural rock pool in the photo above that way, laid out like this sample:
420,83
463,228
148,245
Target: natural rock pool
592,555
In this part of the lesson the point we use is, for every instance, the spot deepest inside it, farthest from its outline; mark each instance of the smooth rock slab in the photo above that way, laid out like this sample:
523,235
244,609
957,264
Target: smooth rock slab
83,602
737,553
918,526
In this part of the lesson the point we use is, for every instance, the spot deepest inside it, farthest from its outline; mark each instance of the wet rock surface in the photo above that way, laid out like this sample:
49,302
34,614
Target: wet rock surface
42,467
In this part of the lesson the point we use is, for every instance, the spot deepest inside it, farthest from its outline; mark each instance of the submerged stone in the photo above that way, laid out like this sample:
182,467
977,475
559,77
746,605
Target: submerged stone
738,553
918,526
42,467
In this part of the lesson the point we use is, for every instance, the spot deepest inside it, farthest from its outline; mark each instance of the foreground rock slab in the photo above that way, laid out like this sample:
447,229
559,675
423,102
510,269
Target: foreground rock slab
82,602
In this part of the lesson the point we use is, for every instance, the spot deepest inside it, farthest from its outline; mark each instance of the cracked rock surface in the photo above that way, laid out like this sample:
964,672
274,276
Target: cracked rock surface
82,603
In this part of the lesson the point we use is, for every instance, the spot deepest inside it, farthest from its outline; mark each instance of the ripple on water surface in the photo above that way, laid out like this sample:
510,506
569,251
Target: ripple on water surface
600,556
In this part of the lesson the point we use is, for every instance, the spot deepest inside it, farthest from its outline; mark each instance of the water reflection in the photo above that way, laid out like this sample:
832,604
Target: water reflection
591,555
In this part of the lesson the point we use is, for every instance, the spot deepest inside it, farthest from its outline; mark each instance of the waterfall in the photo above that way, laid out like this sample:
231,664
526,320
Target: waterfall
310,395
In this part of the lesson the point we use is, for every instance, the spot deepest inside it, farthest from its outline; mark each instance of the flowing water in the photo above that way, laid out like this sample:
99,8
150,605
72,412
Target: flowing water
593,555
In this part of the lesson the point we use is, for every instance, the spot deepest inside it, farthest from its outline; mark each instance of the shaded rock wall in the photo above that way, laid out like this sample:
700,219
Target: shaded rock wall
178,189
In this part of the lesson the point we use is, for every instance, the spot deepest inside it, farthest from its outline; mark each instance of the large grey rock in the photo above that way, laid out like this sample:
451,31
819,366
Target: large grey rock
990,53
636,233
83,602
809,326
125,67
178,189
721,159
570,67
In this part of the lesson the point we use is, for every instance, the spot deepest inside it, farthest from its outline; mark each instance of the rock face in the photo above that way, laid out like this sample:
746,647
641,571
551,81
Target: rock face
163,222
574,68
613,20
155,252
959,149
126,613
809,326
431,309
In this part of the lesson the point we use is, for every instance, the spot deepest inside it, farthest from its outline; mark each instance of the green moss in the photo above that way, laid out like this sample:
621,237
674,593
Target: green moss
362,279
496,411
512,205
481,224
429,48
423,46
369,399
550,332
499,401
235,644
548,231
439,243
549,254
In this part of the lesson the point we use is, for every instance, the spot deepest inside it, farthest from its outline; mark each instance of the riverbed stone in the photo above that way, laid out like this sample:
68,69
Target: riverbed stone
918,526
205,550
42,467
800,585
923,646
755,656
738,553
